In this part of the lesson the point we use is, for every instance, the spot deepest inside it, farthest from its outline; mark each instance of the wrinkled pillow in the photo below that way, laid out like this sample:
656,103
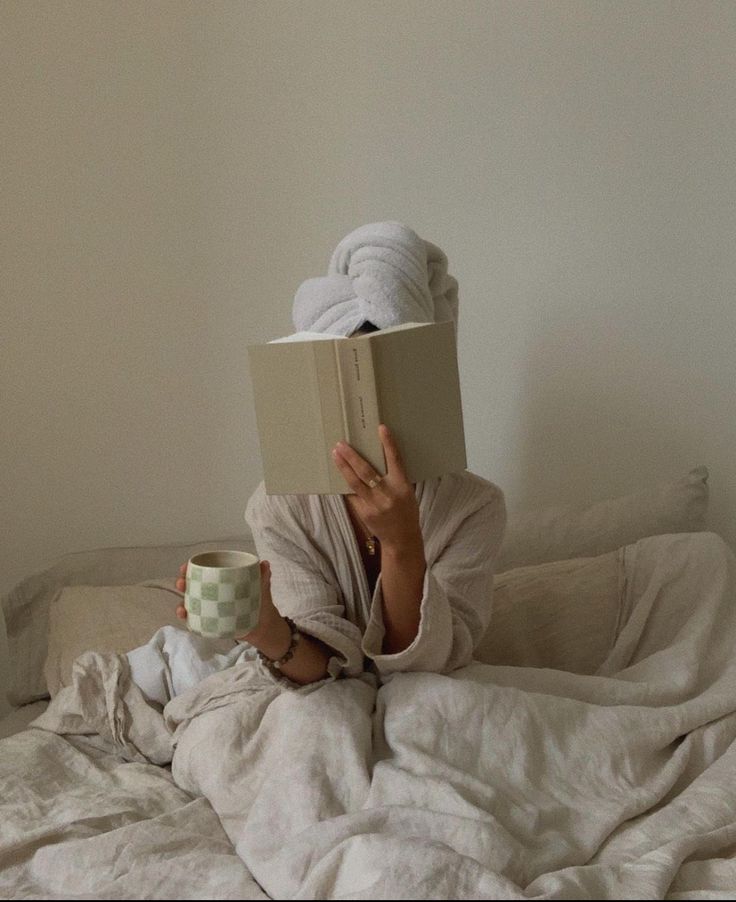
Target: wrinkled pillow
568,531
105,619
562,615
26,606
532,537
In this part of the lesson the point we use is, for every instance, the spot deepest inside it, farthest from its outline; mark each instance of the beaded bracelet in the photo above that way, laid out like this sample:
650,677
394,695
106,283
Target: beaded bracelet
295,637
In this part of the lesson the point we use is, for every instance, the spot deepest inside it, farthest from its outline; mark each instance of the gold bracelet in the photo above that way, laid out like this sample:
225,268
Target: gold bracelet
295,637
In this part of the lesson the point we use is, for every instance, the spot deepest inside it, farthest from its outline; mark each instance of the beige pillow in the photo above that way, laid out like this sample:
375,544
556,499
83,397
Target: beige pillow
532,537
563,532
563,615
26,606
106,619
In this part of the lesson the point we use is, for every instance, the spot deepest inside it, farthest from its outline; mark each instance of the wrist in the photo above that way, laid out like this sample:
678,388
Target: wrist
408,548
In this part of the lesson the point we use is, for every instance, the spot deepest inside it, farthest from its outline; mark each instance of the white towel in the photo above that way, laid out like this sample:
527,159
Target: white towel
382,273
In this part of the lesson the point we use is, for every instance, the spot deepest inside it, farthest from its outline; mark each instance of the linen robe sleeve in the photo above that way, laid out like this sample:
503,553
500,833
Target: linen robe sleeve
456,597
300,583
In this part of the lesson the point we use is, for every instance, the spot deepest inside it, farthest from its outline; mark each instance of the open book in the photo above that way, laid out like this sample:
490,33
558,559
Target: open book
311,390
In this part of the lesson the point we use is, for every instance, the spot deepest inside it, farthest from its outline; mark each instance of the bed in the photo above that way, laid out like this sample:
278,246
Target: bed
549,768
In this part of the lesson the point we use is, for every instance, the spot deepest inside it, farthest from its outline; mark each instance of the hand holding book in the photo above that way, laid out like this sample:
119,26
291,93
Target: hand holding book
389,509
312,390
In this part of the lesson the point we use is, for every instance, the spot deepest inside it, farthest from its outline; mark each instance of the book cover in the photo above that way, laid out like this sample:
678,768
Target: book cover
311,390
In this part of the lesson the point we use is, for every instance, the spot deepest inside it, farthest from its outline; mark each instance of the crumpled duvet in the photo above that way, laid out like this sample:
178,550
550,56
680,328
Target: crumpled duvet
489,782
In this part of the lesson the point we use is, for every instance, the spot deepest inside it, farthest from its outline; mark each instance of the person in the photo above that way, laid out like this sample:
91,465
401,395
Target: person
395,575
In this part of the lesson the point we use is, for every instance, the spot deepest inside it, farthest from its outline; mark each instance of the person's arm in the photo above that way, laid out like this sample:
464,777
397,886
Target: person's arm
456,591
425,618
309,663
387,505
402,578
272,636
305,588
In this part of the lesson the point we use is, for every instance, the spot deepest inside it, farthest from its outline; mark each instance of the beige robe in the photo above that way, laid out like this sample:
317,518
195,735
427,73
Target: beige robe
318,577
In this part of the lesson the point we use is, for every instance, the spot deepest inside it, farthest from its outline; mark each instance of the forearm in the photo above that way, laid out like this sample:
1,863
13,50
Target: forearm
402,581
309,663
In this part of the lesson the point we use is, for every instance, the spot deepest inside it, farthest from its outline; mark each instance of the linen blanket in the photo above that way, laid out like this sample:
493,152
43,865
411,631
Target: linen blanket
489,782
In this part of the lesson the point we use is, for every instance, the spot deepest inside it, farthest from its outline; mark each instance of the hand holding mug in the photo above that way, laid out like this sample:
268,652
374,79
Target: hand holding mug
268,621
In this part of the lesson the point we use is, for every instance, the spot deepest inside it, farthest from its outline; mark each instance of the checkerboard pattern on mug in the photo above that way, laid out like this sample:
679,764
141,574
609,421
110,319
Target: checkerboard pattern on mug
214,598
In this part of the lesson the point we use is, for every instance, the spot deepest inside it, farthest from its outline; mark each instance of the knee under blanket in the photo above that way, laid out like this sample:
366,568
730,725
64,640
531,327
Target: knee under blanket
490,782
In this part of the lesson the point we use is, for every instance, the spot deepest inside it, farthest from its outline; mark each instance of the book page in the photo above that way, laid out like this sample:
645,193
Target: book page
305,336
399,328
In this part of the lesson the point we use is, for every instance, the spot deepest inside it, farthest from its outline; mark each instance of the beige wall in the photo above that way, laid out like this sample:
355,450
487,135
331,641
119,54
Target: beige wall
172,171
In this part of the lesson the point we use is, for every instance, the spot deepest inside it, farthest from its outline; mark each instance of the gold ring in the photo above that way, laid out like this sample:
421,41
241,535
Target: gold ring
374,482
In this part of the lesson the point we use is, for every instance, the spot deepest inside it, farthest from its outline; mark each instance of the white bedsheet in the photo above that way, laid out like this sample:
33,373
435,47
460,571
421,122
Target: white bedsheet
491,782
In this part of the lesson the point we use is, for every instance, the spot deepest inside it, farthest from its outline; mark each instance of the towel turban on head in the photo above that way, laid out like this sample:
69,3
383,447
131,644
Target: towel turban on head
382,273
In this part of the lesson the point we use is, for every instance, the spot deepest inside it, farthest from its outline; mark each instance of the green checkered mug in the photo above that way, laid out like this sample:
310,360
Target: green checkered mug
223,593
